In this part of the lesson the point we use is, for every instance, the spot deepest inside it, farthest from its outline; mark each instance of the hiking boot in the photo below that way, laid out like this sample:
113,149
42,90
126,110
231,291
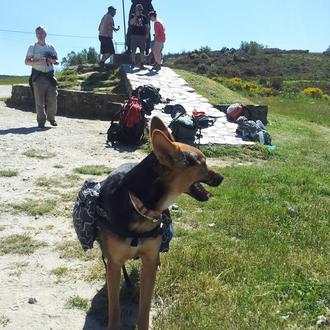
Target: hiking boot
53,123
41,125
142,67
132,66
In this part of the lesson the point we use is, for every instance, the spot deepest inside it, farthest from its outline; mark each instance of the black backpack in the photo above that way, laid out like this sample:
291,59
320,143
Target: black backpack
147,92
129,130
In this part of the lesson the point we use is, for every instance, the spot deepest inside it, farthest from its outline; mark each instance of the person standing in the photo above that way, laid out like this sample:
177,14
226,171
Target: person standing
42,57
139,34
147,8
159,40
106,28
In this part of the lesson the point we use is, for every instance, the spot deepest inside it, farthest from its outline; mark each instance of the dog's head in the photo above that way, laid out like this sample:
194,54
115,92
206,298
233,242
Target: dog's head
185,166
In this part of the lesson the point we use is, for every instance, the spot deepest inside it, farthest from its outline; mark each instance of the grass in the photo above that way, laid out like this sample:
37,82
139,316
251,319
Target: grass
73,250
60,272
12,80
66,181
35,207
40,154
8,173
77,302
19,244
93,170
215,93
92,78
265,263
245,153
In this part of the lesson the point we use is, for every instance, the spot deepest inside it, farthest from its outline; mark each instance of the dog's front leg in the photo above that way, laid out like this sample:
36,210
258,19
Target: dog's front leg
113,286
147,283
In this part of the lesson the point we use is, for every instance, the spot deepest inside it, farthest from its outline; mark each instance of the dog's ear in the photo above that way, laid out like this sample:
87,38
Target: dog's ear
156,123
165,150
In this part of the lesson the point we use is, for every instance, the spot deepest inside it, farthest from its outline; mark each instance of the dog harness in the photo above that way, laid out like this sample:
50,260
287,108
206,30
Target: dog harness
88,216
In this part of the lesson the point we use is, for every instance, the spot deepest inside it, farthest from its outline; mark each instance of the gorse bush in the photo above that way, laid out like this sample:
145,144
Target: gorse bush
251,88
314,92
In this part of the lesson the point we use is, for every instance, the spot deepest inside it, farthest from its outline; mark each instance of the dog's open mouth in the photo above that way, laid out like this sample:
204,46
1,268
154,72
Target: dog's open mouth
198,192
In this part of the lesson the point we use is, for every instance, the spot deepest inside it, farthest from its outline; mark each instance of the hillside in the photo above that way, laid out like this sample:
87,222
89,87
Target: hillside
265,67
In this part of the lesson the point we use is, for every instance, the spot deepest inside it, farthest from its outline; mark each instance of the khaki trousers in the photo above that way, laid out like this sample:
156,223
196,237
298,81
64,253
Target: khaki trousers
45,93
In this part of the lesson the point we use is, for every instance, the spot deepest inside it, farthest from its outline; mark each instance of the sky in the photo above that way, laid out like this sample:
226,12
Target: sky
285,24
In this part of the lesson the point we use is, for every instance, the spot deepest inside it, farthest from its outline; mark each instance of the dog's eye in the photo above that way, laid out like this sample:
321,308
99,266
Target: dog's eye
191,160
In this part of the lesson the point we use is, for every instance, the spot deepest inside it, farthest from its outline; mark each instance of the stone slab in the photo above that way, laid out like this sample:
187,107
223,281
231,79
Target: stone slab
175,88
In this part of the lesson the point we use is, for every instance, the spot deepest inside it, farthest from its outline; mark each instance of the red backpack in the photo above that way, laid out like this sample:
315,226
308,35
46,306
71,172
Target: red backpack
130,128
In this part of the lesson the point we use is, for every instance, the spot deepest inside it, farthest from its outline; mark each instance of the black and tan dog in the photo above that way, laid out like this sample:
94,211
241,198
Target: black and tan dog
133,206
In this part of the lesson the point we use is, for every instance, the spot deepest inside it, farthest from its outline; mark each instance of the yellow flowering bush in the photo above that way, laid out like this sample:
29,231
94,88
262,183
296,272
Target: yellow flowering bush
314,92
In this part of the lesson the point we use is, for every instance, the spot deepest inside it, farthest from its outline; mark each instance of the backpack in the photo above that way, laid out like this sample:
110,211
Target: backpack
147,92
129,130
183,129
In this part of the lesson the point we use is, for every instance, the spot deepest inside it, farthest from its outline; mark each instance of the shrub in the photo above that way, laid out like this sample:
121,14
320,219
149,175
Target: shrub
314,92
276,83
204,56
202,68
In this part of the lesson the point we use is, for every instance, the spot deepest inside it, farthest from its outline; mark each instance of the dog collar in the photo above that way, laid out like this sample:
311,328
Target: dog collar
139,207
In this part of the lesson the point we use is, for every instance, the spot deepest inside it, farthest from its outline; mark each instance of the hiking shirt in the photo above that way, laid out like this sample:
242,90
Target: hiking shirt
140,27
106,26
159,31
38,52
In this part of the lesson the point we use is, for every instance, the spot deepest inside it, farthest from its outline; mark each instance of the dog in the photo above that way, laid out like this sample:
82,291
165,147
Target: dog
133,203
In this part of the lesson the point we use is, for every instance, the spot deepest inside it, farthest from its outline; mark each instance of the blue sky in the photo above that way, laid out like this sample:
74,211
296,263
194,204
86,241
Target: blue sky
286,24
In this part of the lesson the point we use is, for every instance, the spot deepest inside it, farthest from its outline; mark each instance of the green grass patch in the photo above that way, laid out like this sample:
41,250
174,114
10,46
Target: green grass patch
8,173
19,244
12,80
77,302
244,153
263,264
60,271
58,181
40,154
35,207
215,92
73,250
93,170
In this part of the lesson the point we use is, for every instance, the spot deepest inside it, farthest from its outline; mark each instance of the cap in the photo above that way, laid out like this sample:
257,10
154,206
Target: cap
111,8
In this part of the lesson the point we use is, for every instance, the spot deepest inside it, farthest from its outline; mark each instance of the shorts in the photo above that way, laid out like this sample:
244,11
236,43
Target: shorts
106,45
158,45
138,41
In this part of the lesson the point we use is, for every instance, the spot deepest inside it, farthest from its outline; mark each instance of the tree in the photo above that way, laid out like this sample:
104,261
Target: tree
82,57
251,48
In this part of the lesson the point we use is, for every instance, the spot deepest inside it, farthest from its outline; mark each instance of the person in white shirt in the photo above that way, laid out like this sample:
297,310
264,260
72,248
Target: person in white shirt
42,57
106,28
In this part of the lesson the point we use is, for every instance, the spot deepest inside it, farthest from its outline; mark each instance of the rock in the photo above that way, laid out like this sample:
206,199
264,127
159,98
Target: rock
174,207
323,321
32,301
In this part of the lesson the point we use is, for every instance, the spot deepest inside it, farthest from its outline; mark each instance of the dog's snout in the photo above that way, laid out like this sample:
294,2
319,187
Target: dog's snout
215,179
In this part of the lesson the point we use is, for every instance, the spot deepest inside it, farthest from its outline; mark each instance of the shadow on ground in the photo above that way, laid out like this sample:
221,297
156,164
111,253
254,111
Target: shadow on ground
97,316
23,130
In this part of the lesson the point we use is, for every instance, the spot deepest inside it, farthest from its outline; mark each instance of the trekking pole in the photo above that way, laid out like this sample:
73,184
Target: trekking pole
124,16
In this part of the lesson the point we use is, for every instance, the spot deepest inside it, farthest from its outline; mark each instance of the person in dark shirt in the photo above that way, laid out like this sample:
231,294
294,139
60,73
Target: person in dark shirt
147,8
140,32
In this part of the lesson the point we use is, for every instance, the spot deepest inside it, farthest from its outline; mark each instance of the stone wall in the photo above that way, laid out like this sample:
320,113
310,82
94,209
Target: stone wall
77,104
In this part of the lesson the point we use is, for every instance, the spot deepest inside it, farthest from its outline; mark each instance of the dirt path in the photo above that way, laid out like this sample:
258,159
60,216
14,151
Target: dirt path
36,288
74,143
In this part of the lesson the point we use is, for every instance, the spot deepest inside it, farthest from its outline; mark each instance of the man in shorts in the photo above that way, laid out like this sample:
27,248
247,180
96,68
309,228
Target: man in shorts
139,34
106,28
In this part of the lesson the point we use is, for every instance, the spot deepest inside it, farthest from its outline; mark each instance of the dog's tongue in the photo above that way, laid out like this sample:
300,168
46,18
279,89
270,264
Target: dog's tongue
199,191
